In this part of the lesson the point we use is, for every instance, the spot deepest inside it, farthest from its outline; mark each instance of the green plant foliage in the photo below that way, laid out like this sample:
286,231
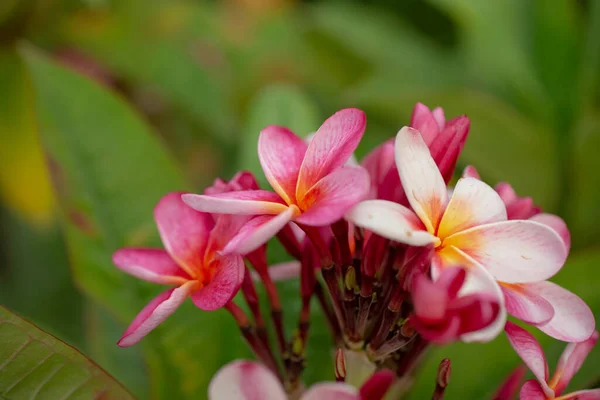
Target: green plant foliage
36,365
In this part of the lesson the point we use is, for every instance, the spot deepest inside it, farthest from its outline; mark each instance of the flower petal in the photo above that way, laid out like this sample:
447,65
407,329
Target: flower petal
526,304
571,361
514,251
438,114
331,146
156,312
257,231
245,380
392,221
281,153
328,200
184,231
472,203
223,286
555,222
421,179
448,145
152,265
423,120
245,202
280,272
532,390
377,385
530,351
470,172
591,394
573,320
378,164
331,390
510,386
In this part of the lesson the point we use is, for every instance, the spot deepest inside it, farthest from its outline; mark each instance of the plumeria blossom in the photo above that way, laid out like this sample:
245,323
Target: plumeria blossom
312,185
546,388
445,140
247,380
469,229
441,316
190,262
551,308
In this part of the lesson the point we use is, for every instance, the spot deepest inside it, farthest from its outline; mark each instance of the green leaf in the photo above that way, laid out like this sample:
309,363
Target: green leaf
36,365
277,104
109,171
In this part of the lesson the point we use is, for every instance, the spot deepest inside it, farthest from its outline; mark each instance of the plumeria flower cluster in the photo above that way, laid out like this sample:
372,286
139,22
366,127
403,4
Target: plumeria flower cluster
396,260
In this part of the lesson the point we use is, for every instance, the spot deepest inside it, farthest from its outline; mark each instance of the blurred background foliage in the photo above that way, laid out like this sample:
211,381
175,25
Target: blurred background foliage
107,104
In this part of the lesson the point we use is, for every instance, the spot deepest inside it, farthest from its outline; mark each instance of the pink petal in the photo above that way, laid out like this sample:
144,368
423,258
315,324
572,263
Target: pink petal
471,172
532,390
156,312
223,286
392,221
330,391
329,199
573,320
530,351
424,121
331,146
281,272
246,202
281,153
571,361
245,380
555,222
514,251
377,385
421,179
506,192
511,384
472,203
438,114
184,231
592,394
226,228
257,231
524,303
378,163
429,300
152,265
448,145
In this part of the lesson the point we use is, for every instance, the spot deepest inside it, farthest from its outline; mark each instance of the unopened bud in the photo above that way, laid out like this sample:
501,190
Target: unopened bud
340,366
443,376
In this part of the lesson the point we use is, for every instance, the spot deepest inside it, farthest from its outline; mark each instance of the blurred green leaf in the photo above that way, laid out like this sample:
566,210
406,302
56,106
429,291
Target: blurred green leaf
277,104
37,365
503,144
109,171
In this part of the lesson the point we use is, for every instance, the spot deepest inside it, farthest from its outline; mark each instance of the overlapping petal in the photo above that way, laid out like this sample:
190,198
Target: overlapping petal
392,221
555,222
423,184
281,153
331,390
152,265
423,120
156,312
331,146
514,251
245,202
223,286
330,198
571,361
245,380
532,390
527,305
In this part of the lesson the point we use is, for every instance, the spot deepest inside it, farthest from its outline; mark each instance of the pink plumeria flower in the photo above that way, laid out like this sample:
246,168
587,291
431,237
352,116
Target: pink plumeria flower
510,386
248,380
445,140
441,315
312,185
544,388
551,308
469,229
191,263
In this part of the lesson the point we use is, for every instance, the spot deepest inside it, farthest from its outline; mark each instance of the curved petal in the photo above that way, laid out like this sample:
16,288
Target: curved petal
532,390
281,153
573,320
438,114
245,380
331,390
571,361
156,312
514,251
530,352
223,286
506,192
508,389
328,200
392,221
470,172
331,146
152,265
421,179
473,203
245,202
591,394
377,385
448,145
555,222
184,231
378,164
258,231
423,120
283,271
526,304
